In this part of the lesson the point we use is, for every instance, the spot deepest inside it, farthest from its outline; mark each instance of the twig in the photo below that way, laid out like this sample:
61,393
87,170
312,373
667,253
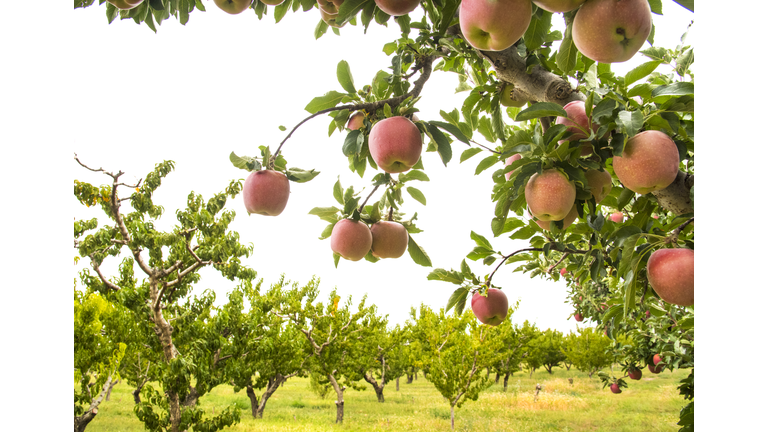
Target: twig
570,251
673,237
552,267
367,198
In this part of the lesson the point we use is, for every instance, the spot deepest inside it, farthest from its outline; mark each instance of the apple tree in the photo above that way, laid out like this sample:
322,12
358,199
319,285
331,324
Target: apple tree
588,351
589,143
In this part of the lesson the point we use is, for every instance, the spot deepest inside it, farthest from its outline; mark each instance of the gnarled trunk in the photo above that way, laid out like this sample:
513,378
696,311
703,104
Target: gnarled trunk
409,378
258,405
339,398
82,421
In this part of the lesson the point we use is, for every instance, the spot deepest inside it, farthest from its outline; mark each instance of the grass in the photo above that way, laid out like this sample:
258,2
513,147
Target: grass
651,404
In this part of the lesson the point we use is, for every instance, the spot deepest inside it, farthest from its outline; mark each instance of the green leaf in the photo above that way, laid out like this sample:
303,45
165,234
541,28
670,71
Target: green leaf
281,10
538,29
566,55
327,231
413,174
348,9
523,233
458,294
418,255
675,89
480,240
453,277
641,71
344,75
245,162
655,6
688,4
320,30
443,146
299,175
455,131
630,121
338,192
389,48
541,109
328,100
468,153
624,197
486,163
353,143
417,195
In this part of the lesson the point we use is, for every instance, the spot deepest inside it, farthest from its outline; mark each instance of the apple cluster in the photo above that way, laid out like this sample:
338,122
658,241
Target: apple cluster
384,239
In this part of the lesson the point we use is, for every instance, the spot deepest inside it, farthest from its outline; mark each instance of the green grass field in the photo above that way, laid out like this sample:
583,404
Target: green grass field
651,404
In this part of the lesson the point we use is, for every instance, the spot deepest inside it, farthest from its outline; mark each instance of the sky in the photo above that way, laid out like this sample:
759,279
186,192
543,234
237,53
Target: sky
124,98
224,83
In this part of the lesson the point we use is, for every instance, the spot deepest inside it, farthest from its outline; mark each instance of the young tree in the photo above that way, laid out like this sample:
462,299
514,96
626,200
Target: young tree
387,359
335,333
550,344
511,352
546,68
589,351
170,263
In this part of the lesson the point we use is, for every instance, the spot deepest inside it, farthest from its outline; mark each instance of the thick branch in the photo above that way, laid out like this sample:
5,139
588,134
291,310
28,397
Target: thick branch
677,196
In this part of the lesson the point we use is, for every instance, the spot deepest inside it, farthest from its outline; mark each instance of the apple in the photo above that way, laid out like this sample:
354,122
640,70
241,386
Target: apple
670,273
390,239
617,217
330,19
330,7
395,144
550,195
558,5
577,117
272,2
494,25
650,162
509,161
578,317
647,314
655,369
266,192
600,183
351,239
491,310
615,388
233,7
397,7
356,121
611,31
506,97
656,359
125,4
635,374
567,220
563,271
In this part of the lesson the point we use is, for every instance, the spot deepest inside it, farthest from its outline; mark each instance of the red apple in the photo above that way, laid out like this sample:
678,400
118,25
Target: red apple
506,97
617,217
600,183
395,144
351,239
611,31
509,161
330,19
578,317
233,7
567,220
550,195
272,2
563,271
397,7
655,369
656,359
125,4
615,388
647,314
635,374
558,5
650,162
577,117
491,310
670,273
330,7
266,192
390,239
494,25
356,121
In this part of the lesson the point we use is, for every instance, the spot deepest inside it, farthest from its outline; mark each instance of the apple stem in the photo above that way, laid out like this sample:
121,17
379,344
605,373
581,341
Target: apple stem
389,216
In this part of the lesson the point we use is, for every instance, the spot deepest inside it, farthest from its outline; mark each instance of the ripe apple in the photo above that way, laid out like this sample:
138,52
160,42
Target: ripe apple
390,239
233,7
272,2
615,388
491,310
125,4
330,7
670,273
617,217
330,19
599,183
395,144
351,239
397,7
650,162
611,31
655,369
356,121
266,192
647,314
506,97
563,271
558,5
550,195
577,117
494,25
635,374
509,161
578,317
567,220
656,359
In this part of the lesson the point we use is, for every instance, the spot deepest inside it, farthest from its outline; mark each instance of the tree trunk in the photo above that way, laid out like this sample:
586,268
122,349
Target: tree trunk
136,395
109,391
397,384
531,374
409,378
339,398
451,417
164,332
272,387
379,389
498,375
82,421
488,372
254,401
506,380
191,399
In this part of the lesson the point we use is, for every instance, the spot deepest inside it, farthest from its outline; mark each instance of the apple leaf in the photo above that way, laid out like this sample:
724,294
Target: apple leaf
321,28
631,122
523,233
417,195
327,232
412,175
480,240
460,292
454,130
328,100
566,55
688,4
350,8
338,192
344,75
443,146
486,163
281,10
537,31
299,175
452,276
468,153
245,162
418,255
655,6
541,109
336,258
479,252
676,89
353,143
641,71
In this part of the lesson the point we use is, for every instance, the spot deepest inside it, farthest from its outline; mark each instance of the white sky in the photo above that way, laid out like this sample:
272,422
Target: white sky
224,83
125,98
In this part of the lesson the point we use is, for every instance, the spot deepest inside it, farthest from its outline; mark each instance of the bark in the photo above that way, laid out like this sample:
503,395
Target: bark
498,375
164,332
339,398
397,384
379,389
254,401
111,386
677,196
82,421
191,398
136,395
409,378
258,405
506,380
451,417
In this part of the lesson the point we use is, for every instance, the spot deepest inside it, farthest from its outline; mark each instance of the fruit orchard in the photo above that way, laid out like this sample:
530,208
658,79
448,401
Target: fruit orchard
593,170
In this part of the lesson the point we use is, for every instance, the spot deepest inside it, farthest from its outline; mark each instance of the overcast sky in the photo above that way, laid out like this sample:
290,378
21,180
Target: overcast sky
224,83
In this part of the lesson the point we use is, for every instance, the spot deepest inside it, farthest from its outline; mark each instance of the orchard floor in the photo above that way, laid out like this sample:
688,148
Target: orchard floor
651,404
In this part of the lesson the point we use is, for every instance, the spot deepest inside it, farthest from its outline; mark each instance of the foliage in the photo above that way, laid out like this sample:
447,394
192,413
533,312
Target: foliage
588,351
